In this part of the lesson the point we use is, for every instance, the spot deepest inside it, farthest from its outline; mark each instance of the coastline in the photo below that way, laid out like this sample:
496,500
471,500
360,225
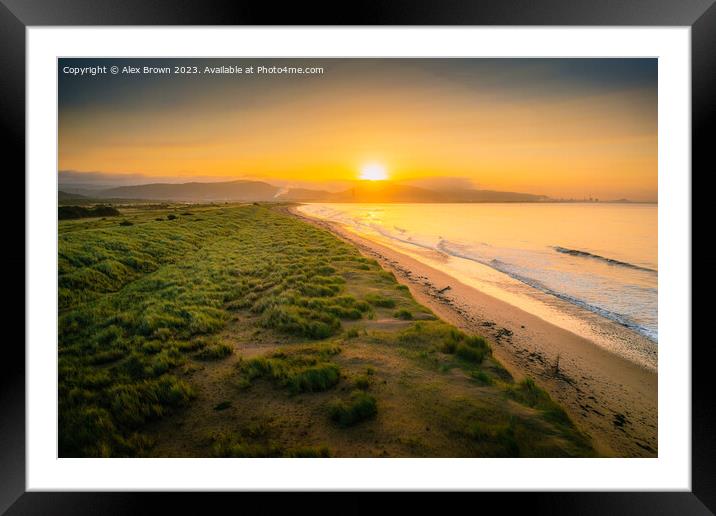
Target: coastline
610,398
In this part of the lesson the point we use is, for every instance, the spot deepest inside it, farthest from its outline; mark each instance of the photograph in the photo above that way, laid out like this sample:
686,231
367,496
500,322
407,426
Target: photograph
357,257
444,247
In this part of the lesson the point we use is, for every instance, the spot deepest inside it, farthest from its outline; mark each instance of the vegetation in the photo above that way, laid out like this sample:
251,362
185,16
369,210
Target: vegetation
481,377
359,407
528,393
448,340
237,446
302,370
362,382
79,212
381,301
214,351
403,314
244,317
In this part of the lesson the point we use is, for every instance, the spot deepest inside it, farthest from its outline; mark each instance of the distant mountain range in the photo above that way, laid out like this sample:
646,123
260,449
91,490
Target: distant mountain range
244,190
69,196
225,191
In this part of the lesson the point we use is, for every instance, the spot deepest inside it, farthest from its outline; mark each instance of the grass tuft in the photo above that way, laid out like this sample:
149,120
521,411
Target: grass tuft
215,352
380,301
79,212
481,377
305,370
360,407
405,315
362,382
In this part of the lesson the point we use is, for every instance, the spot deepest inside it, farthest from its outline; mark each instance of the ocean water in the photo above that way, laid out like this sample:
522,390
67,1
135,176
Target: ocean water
571,264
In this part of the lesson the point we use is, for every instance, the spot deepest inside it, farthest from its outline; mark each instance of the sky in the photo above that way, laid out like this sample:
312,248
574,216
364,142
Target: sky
566,128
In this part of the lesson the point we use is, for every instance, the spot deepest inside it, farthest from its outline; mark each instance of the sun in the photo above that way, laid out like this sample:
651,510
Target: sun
373,172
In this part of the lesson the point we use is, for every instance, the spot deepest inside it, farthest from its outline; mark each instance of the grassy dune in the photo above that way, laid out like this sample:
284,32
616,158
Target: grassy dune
240,331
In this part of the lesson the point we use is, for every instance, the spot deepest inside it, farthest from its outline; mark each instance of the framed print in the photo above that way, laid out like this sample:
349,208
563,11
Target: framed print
440,249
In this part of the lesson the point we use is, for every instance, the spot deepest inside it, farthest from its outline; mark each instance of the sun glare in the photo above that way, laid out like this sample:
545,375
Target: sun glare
373,172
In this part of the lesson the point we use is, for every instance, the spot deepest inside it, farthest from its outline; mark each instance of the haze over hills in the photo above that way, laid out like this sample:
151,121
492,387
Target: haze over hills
223,191
63,196
245,190
385,191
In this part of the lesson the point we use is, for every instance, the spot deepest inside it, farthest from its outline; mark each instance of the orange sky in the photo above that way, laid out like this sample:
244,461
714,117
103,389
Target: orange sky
536,126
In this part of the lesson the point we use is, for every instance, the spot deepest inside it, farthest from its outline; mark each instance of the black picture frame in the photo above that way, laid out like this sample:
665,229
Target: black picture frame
17,15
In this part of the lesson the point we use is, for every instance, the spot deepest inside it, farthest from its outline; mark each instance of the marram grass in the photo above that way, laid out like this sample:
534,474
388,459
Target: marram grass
146,309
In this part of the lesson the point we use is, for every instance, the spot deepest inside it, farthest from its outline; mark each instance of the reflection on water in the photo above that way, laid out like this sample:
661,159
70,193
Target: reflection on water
571,264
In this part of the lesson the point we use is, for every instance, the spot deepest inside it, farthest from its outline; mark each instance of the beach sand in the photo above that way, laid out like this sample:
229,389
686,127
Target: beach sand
608,397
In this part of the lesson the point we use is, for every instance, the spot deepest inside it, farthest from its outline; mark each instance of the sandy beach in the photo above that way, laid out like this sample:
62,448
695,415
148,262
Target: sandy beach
610,398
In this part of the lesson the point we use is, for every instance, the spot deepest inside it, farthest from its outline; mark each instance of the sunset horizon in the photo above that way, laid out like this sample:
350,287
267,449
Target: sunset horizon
71,180
563,128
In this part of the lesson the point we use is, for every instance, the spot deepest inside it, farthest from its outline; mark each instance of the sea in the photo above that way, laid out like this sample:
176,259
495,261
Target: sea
573,264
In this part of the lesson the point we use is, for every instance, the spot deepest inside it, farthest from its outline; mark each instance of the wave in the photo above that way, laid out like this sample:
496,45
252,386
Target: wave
485,254
508,269
618,318
610,261
457,250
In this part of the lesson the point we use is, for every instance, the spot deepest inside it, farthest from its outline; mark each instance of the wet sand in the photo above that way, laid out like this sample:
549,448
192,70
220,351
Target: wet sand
610,398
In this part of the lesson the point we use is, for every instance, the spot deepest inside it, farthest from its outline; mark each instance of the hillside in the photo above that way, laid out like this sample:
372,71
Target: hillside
250,191
221,191
68,197
385,191
79,212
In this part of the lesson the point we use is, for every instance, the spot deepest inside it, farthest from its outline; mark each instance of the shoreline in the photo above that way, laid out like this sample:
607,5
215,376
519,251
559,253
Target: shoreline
608,397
